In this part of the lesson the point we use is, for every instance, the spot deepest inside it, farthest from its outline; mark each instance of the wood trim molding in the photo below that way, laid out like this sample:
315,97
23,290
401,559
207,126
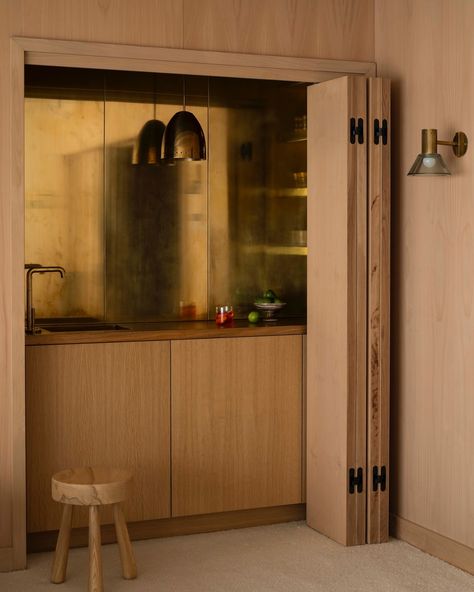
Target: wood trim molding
94,55
167,527
6,559
433,543
185,61
18,471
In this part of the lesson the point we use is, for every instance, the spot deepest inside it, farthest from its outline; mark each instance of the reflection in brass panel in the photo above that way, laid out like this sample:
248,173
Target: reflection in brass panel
257,226
144,243
64,204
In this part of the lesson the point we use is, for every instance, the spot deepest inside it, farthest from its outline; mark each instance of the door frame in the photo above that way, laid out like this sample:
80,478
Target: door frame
79,54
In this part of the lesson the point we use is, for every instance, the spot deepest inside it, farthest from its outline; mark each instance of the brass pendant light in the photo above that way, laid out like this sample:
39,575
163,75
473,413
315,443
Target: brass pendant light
147,146
184,138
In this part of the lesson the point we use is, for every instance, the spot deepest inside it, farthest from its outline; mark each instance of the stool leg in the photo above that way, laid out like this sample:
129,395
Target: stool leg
58,570
129,567
95,559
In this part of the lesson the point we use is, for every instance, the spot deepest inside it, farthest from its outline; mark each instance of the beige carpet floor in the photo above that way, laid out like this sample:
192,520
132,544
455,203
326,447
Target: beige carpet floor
280,558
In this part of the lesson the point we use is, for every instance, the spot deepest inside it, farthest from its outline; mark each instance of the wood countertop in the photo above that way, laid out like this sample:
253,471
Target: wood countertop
170,331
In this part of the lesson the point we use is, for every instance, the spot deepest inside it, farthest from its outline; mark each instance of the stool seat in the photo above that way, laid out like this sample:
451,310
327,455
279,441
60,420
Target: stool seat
91,486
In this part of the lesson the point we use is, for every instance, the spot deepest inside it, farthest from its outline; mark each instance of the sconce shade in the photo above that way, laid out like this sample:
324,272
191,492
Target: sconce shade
429,164
184,138
147,147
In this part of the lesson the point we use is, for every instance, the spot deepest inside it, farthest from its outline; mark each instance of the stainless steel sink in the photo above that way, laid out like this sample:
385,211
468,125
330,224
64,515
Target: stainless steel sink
60,328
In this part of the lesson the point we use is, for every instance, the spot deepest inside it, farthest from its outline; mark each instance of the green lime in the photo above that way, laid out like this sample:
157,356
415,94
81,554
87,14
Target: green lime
253,316
270,294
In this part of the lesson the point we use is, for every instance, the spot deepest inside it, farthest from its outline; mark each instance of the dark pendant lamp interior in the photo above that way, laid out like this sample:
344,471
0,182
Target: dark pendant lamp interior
147,147
184,138
429,162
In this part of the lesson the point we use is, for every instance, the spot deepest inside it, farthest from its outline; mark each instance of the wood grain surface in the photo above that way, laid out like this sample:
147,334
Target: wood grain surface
172,331
166,527
378,363
342,29
313,28
236,424
427,49
98,405
336,346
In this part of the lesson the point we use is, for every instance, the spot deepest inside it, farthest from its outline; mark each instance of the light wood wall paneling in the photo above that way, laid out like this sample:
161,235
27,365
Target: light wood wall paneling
236,424
427,49
378,397
122,23
335,29
336,332
98,405
147,22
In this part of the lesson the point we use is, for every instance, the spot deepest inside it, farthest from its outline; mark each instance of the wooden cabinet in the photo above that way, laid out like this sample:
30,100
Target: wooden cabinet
236,423
98,404
235,407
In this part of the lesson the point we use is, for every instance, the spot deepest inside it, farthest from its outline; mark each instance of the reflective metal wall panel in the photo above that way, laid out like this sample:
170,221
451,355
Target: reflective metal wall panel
167,241
257,173
64,201
156,215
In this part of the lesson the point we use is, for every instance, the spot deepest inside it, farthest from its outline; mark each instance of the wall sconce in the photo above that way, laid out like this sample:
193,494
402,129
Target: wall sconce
429,162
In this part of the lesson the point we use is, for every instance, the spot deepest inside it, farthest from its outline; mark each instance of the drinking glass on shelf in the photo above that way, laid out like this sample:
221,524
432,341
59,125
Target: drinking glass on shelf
224,314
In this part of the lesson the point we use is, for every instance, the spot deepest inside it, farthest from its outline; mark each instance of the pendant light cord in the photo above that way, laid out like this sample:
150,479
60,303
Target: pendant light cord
154,95
184,93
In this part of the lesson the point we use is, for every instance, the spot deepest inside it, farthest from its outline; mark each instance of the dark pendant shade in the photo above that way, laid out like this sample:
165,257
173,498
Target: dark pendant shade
184,138
147,147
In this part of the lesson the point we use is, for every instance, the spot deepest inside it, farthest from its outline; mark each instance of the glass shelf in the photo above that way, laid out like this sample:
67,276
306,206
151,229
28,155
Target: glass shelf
290,192
293,138
276,249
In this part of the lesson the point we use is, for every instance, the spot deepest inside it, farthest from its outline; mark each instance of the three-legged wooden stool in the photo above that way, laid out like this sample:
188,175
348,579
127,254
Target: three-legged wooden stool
92,487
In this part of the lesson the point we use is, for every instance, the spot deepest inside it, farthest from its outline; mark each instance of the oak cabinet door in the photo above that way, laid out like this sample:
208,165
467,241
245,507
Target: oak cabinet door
348,320
236,423
98,404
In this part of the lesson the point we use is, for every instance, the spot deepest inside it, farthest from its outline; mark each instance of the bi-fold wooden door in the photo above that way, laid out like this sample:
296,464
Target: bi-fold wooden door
348,309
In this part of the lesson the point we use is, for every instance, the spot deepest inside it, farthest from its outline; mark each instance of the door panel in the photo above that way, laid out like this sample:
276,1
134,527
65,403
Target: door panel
103,404
378,399
348,308
236,415
336,341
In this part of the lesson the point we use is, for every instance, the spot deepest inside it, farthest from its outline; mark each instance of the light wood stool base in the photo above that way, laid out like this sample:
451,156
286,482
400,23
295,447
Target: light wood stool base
93,488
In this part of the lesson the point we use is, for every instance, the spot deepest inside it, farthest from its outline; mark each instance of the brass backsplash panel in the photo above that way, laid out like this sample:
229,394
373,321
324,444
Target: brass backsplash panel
144,243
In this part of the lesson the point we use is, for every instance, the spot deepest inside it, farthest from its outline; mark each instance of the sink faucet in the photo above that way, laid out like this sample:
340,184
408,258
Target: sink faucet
33,268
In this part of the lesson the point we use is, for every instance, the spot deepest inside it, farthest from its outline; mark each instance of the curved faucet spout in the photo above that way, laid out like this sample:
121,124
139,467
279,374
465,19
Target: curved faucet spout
33,268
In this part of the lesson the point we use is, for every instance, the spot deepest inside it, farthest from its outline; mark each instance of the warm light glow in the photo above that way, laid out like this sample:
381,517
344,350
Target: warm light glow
429,161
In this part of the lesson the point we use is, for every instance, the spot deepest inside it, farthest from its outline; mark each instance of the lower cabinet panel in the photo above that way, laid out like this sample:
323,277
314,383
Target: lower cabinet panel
236,423
98,404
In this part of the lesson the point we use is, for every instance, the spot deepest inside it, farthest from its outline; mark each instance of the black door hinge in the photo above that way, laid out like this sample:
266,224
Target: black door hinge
355,480
356,130
379,478
380,131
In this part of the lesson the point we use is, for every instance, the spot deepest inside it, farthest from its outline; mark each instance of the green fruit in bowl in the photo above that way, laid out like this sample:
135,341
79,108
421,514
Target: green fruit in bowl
253,317
262,300
270,294
277,301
